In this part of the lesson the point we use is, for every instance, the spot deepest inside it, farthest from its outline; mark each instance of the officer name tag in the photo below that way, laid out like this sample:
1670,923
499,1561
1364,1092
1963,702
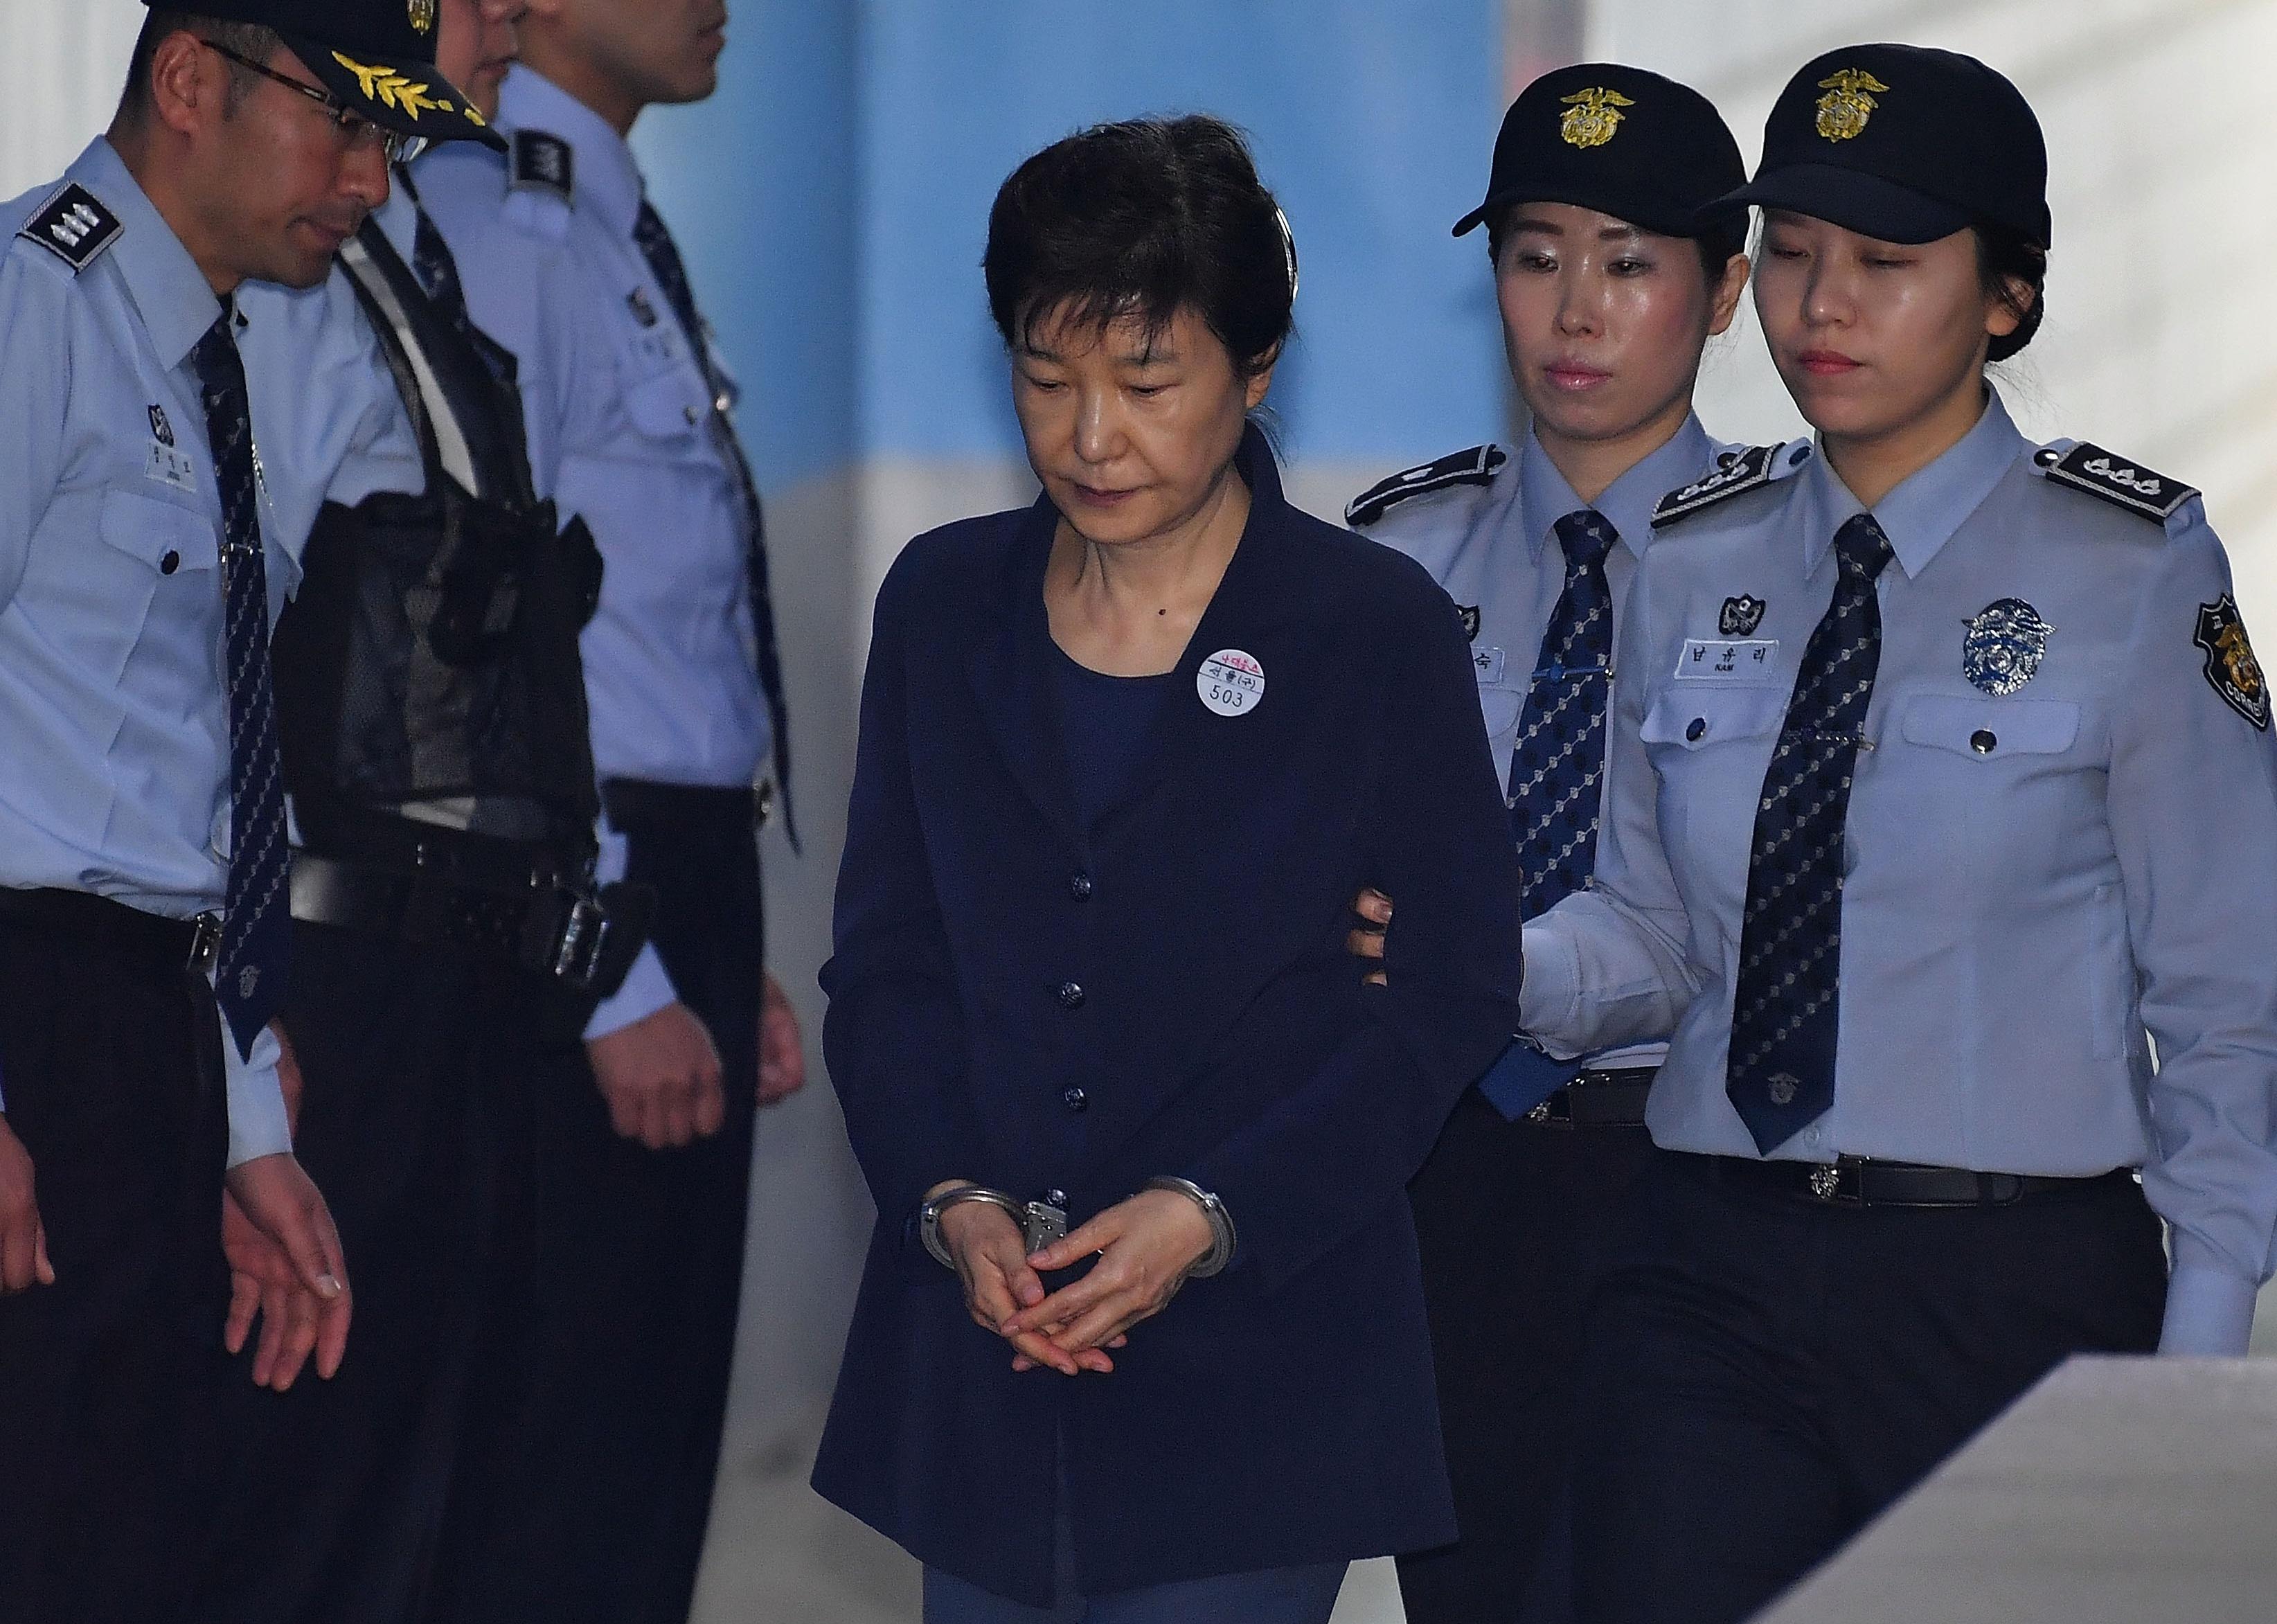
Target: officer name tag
170,467
1488,664
1724,659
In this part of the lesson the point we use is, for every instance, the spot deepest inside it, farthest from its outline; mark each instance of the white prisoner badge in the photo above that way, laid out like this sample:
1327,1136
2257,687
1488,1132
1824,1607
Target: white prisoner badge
2231,666
1230,682
2005,643
1741,616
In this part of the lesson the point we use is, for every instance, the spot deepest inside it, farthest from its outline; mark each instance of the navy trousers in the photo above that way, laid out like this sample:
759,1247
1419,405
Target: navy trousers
1767,1372
1513,1218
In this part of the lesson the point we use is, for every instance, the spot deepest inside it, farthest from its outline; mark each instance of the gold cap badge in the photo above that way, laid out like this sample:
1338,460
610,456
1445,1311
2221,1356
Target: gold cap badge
423,16
1591,117
1848,102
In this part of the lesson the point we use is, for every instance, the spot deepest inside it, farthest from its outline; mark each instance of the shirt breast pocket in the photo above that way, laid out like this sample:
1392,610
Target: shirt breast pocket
669,411
152,550
1979,728
1709,747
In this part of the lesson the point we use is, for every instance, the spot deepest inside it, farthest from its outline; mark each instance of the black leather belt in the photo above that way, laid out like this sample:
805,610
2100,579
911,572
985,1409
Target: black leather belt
168,947
535,917
1856,1181
1598,1100
638,803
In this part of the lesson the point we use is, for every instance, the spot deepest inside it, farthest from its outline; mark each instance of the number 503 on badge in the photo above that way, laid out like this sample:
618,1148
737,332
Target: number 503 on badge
1230,682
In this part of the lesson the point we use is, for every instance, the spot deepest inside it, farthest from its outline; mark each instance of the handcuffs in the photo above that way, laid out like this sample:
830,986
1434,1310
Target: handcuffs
1043,1222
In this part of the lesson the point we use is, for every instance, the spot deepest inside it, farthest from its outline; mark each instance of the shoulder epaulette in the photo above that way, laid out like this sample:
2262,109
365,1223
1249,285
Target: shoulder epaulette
2097,472
1735,471
1475,466
544,162
74,226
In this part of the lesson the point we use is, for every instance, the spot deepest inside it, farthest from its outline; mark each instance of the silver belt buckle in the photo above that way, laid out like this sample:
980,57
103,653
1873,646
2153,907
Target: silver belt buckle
205,943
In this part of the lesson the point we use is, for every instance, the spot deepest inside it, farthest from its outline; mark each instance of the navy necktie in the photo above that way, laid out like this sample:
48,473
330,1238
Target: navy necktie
1557,769
257,939
664,262
1787,1004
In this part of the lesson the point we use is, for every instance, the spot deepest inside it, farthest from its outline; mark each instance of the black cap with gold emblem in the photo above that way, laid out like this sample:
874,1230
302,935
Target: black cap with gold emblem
1618,139
1906,144
376,58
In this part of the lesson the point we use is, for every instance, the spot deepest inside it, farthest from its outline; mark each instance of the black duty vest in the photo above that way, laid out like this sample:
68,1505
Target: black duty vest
428,669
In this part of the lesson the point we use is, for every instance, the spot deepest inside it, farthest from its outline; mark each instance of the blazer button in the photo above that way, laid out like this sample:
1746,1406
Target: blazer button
1076,1100
1070,995
172,563
1983,742
1080,888
1697,730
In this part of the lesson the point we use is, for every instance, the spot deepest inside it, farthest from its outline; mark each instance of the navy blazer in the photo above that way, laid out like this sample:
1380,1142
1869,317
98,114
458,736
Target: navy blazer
1023,1001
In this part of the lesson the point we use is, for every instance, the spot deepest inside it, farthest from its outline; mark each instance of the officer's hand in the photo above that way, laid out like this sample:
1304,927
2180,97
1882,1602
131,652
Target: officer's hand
660,1077
1145,1246
264,1286
782,1052
23,1238
282,1207
991,1255
1367,939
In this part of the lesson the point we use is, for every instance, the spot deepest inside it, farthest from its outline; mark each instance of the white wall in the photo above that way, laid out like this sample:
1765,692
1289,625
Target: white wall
2161,341
62,64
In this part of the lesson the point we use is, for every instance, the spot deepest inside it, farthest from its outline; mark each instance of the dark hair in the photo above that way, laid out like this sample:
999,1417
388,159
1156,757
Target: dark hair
2005,257
1716,244
257,40
1144,218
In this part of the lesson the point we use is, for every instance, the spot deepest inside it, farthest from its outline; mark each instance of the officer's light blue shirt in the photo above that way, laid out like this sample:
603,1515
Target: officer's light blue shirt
114,730
1494,548
2040,887
671,675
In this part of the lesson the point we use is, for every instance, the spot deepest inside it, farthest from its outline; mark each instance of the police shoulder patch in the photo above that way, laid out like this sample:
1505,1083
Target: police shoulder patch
1478,466
74,226
544,162
2091,468
1735,472
2231,669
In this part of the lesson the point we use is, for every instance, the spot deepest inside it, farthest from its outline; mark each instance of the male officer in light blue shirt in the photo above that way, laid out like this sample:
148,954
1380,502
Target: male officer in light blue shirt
146,544
607,1476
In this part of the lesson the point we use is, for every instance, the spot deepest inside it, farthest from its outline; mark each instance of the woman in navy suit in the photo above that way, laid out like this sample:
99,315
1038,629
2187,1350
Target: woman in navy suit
1126,757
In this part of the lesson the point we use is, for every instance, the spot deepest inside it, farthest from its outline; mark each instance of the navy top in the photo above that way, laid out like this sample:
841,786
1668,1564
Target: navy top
1039,1001
1104,721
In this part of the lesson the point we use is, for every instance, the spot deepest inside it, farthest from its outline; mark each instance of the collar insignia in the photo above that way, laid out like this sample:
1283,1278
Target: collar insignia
1591,117
74,226
545,163
2230,668
1741,616
1475,466
1848,103
2005,643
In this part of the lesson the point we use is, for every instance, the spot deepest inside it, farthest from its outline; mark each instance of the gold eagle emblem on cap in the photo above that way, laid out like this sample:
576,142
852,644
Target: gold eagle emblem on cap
1591,117
423,16
1848,102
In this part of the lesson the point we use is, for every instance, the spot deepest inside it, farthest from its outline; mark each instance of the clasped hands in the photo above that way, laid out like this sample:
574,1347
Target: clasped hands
1144,1245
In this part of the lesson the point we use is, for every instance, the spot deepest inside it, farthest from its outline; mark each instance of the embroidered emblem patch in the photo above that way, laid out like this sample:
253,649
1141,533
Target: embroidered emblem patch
1591,117
1848,103
1470,613
161,430
2231,666
74,226
2004,647
1740,617
393,87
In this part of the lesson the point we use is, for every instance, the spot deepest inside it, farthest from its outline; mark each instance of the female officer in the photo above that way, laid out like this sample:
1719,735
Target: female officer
1120,772
1923,750
1611,286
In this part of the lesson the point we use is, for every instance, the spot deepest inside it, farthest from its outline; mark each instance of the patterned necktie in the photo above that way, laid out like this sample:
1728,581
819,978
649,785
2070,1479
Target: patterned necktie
437,271
1787,1004
1554,771
664,262
257,936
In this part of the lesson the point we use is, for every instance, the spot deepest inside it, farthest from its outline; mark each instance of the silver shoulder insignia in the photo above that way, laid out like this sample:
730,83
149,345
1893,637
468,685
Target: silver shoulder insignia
74,226
1738,471
1475,466
544,162
2097,472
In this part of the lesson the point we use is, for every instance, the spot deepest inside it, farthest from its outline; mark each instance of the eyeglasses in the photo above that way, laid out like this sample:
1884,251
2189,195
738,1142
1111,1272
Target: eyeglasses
353,126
